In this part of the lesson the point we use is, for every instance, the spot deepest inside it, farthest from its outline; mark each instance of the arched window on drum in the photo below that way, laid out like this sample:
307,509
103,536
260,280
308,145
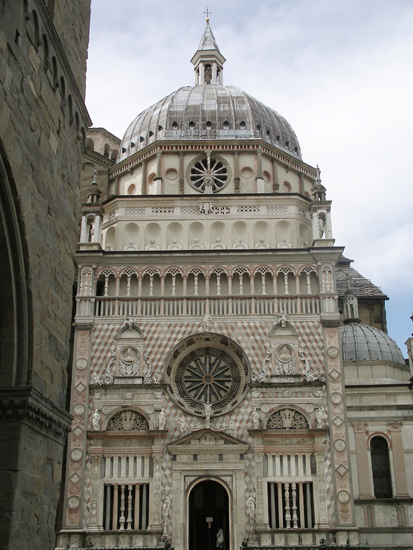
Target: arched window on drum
380,466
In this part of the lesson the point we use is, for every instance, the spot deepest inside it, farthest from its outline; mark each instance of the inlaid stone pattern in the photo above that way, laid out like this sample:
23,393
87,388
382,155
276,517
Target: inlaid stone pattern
337,429
77,441
161,337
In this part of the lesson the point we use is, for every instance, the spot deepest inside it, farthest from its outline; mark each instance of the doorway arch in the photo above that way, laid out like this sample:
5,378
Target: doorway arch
208,498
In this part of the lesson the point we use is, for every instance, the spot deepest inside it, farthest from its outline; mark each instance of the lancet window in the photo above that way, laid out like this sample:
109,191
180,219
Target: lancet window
380,465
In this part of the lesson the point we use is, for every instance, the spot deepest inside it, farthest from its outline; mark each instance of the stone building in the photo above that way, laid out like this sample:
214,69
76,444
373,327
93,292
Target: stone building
231,370
43,123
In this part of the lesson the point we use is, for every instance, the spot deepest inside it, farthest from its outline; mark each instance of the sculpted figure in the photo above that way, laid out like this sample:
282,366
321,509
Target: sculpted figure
96,420
206,322
255,419
162,419
251,507
182,425
321,417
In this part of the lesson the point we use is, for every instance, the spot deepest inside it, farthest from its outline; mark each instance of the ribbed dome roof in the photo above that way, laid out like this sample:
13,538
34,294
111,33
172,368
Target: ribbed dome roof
207,112
365,343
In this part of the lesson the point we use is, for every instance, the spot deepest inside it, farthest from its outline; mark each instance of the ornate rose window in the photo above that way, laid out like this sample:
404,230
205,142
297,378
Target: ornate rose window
208,375
209,174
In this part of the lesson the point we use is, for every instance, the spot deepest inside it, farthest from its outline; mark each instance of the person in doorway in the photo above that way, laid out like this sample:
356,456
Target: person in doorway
220,538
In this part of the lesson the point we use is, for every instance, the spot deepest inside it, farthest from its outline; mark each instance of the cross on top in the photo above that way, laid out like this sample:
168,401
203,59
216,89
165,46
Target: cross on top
208,13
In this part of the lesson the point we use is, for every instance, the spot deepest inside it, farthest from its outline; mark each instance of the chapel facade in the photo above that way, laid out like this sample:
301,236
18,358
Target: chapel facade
231,370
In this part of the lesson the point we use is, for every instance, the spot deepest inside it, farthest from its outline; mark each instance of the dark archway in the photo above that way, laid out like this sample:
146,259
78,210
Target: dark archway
208,499
14,300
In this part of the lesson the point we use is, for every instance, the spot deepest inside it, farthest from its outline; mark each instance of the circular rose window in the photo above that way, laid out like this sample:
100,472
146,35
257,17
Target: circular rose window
208,174
208,374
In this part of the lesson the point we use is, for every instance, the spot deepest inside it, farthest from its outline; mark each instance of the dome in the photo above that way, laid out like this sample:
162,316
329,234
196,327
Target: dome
365,343
206,112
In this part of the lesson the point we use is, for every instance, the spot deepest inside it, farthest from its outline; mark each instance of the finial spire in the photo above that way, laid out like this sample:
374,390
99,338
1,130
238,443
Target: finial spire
208,60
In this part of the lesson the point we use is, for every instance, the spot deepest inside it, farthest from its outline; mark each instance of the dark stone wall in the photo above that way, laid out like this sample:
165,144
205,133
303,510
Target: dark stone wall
43,124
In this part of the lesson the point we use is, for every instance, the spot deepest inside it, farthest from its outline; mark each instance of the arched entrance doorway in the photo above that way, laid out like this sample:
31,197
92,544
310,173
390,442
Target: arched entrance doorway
208,511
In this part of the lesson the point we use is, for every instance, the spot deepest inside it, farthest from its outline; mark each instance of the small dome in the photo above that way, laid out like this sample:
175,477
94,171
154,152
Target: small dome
208,112
365,343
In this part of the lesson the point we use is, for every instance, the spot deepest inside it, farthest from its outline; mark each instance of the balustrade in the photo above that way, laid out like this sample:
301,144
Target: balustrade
106,306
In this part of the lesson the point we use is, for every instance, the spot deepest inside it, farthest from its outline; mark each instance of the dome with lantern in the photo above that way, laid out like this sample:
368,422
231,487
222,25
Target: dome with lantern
209,111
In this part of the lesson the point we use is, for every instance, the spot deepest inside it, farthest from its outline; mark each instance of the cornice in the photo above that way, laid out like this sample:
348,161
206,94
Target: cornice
219,145
27,405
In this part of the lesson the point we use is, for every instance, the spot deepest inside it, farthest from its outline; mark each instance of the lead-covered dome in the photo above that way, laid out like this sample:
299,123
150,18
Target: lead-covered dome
365,343
207,112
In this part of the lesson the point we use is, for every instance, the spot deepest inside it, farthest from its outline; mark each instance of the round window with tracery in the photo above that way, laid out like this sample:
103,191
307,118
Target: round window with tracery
208,375
209,174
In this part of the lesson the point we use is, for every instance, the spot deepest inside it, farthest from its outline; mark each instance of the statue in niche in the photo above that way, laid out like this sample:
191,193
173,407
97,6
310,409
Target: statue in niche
152,245
262,244
240,244
321,417
321,226
96,420
208,74
196,245
284,244
130,246
218,243
251,508
255,419
175,245
162,419
165,507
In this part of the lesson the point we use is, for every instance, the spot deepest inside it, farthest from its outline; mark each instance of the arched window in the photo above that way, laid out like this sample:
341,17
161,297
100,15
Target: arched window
380,465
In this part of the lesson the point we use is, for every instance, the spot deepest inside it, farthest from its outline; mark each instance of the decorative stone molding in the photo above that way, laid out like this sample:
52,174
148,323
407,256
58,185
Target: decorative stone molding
128,420
26,404
287,419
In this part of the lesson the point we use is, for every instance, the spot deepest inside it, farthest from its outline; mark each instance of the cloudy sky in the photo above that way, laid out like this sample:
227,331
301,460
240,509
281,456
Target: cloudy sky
340,71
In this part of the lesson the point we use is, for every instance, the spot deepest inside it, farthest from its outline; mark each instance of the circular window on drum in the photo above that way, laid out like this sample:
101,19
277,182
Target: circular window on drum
209,174
208,375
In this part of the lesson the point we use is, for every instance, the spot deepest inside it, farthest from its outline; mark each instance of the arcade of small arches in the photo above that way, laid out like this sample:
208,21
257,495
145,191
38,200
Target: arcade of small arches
199,281
207,235
196,291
